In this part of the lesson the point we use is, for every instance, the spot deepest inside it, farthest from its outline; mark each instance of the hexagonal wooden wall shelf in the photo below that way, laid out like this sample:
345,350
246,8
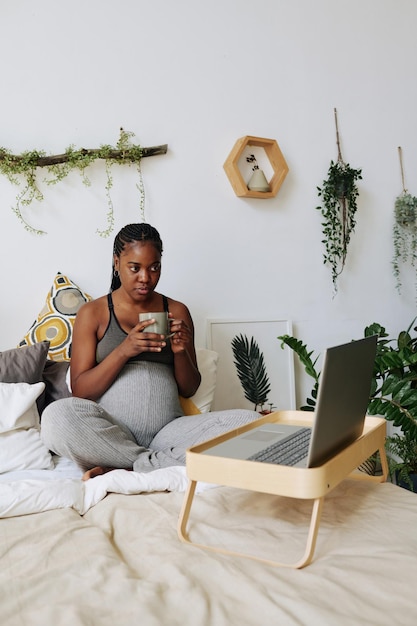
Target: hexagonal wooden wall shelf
275,157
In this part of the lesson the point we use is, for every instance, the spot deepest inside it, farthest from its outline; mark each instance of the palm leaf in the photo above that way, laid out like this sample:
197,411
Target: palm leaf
250,366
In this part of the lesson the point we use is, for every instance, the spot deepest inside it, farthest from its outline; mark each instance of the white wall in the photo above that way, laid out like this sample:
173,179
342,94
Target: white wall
198,76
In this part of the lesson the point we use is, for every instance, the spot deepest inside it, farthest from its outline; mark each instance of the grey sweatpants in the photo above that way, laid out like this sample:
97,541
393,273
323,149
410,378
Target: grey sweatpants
83,431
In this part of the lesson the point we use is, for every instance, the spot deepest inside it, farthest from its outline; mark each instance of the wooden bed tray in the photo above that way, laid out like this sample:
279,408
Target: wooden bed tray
293,482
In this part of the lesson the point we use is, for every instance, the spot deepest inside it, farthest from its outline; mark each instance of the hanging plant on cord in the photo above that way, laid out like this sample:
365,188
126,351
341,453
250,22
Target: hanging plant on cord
339,195
404,230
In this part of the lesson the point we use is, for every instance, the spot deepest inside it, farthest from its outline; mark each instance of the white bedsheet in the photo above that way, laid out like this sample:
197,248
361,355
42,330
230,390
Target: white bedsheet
122,564
62,468
24,493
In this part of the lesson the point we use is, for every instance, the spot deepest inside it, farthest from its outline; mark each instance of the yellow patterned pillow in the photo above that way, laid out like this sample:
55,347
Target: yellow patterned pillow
188,406
56,320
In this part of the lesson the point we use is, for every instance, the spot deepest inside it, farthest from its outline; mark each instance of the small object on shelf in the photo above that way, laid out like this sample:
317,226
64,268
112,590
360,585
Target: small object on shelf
258,182
275,158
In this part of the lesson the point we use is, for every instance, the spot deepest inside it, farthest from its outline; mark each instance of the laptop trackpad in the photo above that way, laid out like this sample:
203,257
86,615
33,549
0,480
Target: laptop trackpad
263,435
243,446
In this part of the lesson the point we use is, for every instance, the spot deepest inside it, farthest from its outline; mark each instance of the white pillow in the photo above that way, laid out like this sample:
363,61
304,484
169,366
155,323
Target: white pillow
207,364
20,443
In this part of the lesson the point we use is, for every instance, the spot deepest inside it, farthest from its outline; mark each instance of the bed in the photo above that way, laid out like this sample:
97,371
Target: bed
106,551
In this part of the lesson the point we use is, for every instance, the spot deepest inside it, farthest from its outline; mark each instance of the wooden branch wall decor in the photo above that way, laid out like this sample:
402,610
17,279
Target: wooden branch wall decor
117,155
21,170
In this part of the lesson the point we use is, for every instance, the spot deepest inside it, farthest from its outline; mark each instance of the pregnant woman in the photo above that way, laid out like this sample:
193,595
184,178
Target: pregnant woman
125,410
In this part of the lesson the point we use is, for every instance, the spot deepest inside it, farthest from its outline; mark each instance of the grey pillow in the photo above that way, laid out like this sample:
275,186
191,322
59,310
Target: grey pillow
23,365
54,377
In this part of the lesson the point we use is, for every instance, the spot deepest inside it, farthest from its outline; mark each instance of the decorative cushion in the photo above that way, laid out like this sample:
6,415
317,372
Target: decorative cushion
23,365
207,364
56,320
54,377
188,406
20,444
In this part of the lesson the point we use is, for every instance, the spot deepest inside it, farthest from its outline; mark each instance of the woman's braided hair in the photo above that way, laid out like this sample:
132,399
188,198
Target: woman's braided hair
130,234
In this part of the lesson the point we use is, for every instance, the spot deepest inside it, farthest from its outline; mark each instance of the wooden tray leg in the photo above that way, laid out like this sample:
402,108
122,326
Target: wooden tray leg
384,463
185,512
311,538
312,534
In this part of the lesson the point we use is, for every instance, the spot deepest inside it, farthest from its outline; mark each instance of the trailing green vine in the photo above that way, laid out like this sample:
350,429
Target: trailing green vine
21,170
339,195
404,230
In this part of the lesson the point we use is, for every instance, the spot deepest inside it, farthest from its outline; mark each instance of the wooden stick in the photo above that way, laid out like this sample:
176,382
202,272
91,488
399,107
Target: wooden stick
44,161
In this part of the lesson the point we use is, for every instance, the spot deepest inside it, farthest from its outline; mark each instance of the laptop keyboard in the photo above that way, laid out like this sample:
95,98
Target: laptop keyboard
287,451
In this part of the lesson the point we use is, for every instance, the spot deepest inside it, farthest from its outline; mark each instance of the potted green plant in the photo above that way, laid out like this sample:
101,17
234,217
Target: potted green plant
250,366
404,230
338,208
402,457
393,392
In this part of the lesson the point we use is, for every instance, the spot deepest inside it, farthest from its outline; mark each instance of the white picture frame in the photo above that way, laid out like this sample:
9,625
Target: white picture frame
279,362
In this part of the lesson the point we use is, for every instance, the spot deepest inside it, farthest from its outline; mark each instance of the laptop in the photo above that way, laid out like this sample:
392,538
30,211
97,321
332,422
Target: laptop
343,397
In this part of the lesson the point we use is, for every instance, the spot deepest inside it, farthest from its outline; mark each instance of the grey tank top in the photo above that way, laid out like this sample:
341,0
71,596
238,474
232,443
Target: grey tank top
114,335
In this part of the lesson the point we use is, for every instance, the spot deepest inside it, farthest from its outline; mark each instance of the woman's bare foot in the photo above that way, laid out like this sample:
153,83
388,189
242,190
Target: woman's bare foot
96,471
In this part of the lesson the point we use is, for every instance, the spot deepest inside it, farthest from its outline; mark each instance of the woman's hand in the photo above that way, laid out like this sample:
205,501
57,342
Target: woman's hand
138,340
182,344
182,335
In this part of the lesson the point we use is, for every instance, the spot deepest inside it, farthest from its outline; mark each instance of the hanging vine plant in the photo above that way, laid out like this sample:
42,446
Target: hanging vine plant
339,195
22,170
404,229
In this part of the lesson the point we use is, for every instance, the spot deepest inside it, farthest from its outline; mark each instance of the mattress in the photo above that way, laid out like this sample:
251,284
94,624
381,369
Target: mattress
120,562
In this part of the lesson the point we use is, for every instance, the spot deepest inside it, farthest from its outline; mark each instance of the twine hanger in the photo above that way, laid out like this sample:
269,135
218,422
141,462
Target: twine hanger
400,154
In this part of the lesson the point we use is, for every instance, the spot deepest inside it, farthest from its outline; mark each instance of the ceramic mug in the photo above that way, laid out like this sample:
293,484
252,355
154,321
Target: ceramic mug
161,324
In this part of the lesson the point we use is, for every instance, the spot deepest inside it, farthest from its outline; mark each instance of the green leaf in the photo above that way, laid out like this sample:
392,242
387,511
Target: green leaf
250,366
301,350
